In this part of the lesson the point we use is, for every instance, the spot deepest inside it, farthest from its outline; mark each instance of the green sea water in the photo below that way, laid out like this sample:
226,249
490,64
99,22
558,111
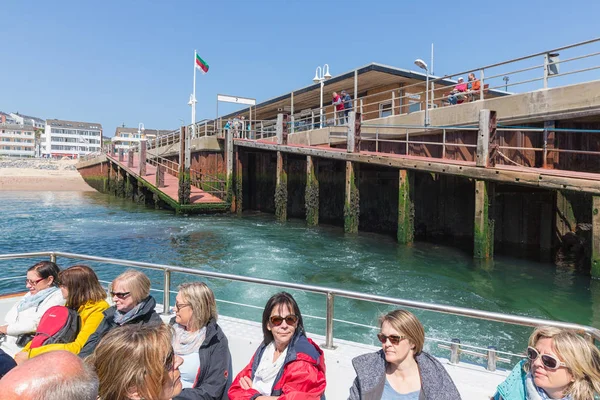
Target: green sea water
256,245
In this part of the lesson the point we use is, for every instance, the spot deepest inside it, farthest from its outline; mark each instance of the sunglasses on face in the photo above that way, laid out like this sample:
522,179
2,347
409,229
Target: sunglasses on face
394,339
33,283
277,320
178,307
120,295
548,360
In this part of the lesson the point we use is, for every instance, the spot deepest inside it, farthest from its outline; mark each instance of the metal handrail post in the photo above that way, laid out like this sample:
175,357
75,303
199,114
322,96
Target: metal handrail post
167,292
443,143
455,351
492,358
407,142
53,258
481,84
329,322
377,140
546,71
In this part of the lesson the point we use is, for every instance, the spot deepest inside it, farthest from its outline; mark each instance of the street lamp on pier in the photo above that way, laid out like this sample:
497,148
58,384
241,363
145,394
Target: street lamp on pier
140,129
321,75
423,65
506,79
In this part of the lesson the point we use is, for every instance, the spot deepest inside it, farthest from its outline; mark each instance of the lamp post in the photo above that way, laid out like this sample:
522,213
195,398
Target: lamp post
506,79
140,129
321,75
423,65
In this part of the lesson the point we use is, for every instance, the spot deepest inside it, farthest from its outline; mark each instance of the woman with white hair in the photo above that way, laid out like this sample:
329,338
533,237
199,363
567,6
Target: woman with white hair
200,342
560,364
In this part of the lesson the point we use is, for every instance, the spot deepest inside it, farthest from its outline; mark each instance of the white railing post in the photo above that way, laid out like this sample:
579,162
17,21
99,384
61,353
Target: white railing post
481,84
546,71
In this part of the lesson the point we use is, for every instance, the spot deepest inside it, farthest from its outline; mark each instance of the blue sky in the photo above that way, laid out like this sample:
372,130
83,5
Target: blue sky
118,62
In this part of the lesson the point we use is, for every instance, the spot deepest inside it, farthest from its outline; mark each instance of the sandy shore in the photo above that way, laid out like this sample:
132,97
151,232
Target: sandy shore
41,175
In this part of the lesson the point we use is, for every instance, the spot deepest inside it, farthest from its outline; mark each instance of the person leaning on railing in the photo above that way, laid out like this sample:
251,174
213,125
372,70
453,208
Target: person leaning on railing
22,319
197,338
560,364
287,365
133,305
82,291
401,369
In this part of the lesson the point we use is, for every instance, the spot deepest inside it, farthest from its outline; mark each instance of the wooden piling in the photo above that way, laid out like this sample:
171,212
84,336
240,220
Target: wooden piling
281,194
311,196
483,235
485,135
595,270
352,200
142,158
229,164
121,155
550,157
406,208
185,184
160,176
130,158
237,203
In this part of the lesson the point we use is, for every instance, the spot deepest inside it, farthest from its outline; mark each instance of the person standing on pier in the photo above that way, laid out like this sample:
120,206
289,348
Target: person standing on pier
338,106
347,101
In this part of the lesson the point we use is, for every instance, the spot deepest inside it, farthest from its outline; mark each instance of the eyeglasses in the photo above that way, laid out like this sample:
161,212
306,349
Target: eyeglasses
548,360
277,320
33,283
170,361
178,307
120,295
394,339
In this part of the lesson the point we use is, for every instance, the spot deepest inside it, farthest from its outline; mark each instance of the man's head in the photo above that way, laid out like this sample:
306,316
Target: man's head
343,93
56,375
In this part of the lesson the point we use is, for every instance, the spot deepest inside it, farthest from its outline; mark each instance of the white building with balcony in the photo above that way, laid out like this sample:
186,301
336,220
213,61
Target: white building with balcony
130,137
21,119
17,140
71,138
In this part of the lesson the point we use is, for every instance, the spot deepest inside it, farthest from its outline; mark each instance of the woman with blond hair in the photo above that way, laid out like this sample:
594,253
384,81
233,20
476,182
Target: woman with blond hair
560,364
133,305
82,291
200,342
134,362
401,369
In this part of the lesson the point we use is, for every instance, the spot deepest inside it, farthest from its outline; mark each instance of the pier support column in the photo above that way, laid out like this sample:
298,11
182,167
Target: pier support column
550,157
142,158
229,165
406,208
595,270
129,186
311,196
483,234
120,182
121,155
352,200
141,193
185,184
130,158
160,176
281,193
239,165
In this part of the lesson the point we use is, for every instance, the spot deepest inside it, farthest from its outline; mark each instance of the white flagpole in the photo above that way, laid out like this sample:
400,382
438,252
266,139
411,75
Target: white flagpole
194,100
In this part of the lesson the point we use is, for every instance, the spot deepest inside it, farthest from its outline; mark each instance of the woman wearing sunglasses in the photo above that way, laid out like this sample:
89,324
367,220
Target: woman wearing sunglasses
200,342
137,362
130,292
560,364
82,291
287,363
22,319
401,369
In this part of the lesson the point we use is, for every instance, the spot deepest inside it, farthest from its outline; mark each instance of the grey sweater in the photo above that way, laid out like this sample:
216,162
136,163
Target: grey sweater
436,384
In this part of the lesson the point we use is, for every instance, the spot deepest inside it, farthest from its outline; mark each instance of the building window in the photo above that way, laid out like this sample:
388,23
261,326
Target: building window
385,109
414,106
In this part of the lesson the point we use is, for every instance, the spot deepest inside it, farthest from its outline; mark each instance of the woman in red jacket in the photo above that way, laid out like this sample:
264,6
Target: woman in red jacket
287,365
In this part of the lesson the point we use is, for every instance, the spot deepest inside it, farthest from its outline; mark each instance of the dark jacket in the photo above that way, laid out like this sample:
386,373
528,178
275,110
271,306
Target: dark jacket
301,378
145,316
214,376
347,100
436,384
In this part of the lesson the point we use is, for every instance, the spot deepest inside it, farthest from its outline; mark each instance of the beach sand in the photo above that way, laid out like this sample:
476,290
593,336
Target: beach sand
41,175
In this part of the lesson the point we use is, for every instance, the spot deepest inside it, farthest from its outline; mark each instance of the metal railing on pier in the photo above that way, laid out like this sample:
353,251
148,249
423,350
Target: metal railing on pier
491,354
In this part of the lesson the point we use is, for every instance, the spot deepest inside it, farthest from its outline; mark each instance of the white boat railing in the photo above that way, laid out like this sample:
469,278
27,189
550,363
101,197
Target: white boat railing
590,333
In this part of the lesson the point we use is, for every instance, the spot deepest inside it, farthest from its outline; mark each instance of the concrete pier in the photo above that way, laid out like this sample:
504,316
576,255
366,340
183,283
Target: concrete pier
311,197
483,234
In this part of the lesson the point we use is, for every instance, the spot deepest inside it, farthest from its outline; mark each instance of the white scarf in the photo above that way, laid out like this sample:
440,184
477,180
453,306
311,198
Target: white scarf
185,342
267,370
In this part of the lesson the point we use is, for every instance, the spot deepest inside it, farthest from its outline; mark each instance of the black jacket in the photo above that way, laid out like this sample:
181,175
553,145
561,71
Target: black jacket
145,316
214,378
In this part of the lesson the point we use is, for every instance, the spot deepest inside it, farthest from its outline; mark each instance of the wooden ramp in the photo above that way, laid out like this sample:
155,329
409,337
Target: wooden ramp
200,201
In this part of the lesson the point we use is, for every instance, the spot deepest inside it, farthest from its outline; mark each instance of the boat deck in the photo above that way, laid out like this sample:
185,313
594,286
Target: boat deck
473,382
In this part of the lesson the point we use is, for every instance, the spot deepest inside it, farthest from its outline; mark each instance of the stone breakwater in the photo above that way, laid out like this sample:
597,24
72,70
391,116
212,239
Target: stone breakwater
48,165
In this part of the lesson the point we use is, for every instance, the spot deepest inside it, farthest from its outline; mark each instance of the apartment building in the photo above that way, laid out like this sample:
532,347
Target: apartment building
71,138
6,118
127,137
21,119
17,140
